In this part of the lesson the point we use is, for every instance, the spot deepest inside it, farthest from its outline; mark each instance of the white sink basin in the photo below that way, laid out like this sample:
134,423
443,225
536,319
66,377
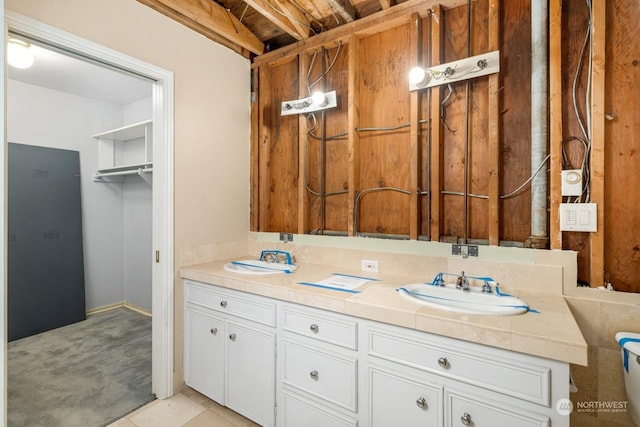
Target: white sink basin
472,301
252,266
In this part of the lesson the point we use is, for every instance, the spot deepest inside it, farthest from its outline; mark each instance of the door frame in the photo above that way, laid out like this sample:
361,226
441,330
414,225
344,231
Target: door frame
162,193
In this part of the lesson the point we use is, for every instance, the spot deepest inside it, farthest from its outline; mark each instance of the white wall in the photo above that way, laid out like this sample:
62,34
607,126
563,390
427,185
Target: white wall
116,217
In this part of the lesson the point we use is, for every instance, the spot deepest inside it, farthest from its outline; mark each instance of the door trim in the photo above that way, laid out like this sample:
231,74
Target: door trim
162,234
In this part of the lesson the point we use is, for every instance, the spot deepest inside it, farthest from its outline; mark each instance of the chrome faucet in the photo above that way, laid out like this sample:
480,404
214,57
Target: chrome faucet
462,282
486,288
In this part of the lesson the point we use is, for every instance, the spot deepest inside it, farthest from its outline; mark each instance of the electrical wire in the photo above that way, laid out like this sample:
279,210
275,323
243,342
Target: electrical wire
503,196
367,191
331,64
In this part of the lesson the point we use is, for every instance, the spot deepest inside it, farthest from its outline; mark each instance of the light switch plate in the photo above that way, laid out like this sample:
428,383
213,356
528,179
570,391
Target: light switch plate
578,217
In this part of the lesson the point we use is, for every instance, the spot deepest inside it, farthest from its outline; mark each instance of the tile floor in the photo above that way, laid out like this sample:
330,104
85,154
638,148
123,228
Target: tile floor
186,409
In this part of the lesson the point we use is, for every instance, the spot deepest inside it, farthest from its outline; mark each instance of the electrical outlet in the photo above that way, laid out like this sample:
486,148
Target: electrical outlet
369,265
286,237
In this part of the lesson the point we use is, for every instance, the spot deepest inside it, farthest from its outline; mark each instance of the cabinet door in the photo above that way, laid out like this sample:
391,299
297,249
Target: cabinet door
251,365
204,354
396,400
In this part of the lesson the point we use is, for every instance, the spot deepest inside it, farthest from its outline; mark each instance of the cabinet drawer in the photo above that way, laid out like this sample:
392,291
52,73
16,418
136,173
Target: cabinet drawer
464,410
397,400
472,364
299,412
250,307
330,376
320,325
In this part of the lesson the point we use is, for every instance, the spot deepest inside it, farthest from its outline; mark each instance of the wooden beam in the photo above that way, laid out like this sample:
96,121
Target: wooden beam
211,20
274,14
385,4
437,129
256,118
369,25
494,128
555,117
264,150
344,8
303,197
353,111
598,38
414,132
297,18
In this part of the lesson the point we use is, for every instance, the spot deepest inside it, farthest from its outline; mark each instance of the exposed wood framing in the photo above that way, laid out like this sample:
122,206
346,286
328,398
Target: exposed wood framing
256,119
372,24
303,200
414,143
344,8
264,137
353,123
385,4
494,128
272,13
437,130
555,117
210,19
598,35
298,19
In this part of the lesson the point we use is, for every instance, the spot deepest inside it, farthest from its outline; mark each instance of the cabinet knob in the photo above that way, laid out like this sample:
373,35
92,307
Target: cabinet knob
314,374
443,362
223,303
232,337
466,419
214,331
314,328
421,402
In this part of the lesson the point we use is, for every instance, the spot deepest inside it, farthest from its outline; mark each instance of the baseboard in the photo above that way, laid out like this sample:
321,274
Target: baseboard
124,304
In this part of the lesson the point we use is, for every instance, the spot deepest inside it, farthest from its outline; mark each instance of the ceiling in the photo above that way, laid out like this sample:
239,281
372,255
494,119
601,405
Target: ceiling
254,27
64,73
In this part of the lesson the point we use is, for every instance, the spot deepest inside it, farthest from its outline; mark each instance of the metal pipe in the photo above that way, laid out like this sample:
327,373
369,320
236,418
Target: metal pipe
539,121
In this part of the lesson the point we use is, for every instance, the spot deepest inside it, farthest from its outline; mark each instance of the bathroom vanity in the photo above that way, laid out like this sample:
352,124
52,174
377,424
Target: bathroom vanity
288,355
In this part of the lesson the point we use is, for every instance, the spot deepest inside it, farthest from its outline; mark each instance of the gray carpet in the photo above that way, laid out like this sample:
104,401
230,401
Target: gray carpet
87,374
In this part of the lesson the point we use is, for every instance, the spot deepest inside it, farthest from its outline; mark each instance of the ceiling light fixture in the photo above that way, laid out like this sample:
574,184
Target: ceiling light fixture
18,54
463,69
316,102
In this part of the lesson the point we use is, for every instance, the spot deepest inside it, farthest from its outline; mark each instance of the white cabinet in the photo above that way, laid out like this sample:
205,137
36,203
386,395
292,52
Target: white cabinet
334,370
318,363
425,379
125,151
230,349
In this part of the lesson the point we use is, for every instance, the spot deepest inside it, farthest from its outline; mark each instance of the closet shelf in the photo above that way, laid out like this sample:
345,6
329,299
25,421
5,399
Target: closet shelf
127,140
125,133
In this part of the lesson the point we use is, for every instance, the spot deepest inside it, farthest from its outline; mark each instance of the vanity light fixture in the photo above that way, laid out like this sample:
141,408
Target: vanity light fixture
18,54
316,102
462,69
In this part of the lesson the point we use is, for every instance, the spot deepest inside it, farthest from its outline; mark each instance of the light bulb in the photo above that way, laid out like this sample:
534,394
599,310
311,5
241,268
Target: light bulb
319,98
419,76
18,54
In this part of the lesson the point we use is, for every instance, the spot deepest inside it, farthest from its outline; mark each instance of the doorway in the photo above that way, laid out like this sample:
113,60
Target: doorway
161,257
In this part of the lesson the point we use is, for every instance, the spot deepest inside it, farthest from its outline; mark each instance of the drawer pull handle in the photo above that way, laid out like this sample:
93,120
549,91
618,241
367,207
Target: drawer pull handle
314,328
443,362
223,303
422,403
232,337
214,331
466,419
313,375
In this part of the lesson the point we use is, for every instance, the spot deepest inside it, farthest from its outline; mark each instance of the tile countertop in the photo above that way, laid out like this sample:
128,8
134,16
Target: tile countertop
552,333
